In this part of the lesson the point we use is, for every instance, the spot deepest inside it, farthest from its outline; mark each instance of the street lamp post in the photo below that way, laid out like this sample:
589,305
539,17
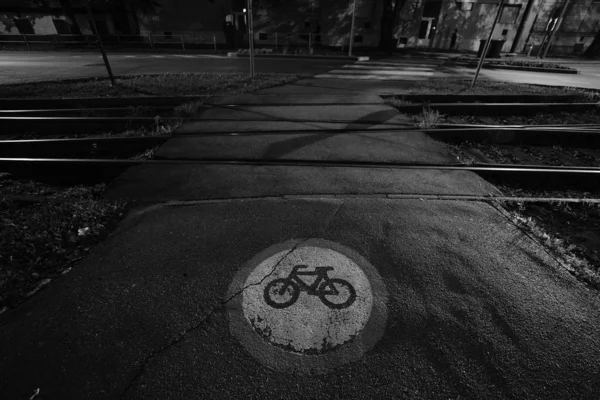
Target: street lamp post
251,38
352,28
95,29
487,43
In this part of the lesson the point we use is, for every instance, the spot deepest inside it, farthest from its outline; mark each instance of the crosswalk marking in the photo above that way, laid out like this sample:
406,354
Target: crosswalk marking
367,67
378,70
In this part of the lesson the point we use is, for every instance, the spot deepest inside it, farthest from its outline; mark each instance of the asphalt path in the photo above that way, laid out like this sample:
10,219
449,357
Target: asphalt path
473,309
18,67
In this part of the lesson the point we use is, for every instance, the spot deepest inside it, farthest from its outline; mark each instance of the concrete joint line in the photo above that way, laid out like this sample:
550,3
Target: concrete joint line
204,319
390,196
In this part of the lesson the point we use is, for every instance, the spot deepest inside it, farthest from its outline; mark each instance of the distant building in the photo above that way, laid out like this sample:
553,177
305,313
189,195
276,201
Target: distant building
462,24
51,17
437,24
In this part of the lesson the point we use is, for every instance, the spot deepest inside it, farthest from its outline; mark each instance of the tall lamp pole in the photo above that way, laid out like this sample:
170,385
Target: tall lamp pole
95,29
352,28
251,38
487,43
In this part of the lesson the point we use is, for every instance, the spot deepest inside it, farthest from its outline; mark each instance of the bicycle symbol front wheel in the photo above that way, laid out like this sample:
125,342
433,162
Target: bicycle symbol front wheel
337,293
281,293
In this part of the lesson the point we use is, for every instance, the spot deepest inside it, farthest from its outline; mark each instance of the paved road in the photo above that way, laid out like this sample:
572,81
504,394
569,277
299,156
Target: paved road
421,68
36,66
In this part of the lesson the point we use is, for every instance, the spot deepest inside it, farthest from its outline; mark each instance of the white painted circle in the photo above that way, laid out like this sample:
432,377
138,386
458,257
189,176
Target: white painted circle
307,306
308,326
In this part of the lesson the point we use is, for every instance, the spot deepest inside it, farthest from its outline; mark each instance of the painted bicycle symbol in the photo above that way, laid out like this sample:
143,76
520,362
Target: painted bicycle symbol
334,293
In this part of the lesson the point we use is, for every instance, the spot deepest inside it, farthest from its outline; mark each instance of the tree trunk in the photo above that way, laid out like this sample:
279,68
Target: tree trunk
389,23
68,9
593,49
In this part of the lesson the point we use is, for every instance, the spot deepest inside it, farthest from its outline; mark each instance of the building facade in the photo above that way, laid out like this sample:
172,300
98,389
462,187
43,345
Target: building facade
51,17
461,24
436,24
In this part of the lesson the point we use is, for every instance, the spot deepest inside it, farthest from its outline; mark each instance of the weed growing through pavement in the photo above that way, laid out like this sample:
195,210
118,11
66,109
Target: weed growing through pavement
188,109
398,101
146,155
429,118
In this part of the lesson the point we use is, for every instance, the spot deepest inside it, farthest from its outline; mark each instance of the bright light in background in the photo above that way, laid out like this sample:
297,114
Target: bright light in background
244,10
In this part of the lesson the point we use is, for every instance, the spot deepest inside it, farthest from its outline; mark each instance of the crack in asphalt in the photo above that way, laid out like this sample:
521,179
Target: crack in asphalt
192,328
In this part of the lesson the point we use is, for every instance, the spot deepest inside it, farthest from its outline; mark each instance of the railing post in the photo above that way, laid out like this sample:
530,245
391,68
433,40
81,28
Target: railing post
309,41
150,39
275,41
215,42
182,43
26,41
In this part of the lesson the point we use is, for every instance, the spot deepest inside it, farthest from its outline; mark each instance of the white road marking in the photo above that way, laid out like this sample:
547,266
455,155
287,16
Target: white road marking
308,325
303,305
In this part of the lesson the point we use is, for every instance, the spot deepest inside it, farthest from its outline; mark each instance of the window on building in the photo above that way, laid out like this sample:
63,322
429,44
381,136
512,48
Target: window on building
24,26
367,25
510,13
423,28
262,36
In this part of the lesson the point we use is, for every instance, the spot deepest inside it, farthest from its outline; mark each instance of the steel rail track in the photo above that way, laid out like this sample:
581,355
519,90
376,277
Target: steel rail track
117,146
72,112
93,169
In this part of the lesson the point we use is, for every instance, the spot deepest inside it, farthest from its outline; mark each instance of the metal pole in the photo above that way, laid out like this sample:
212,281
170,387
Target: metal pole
251,38
182,44
93,23
352,28
150,40
275,41
309,42
555,28
26,41
215,42
487,43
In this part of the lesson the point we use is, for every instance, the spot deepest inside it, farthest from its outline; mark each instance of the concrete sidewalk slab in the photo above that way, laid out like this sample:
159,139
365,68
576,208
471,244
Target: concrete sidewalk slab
293,99
334,113
476,309
408,147
154,183
338,86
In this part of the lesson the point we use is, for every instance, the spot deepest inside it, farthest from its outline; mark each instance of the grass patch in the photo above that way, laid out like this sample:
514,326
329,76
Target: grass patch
428,118
147,85
514,62
487,87
46,229
570,231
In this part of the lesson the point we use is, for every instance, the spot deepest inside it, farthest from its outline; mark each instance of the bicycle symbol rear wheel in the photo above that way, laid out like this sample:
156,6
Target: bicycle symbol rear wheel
281,293
337,289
